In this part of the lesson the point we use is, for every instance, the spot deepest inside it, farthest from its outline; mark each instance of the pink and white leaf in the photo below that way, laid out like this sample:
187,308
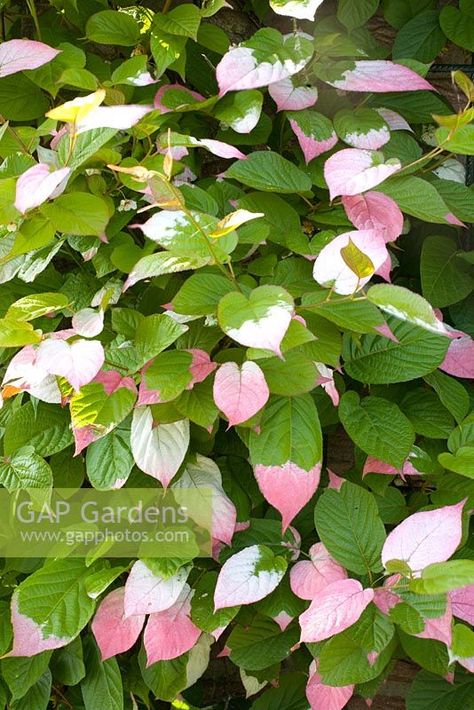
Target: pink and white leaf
326,381
380,76
374,210
299,9
204,475
373,465
119,117
310,142
331,270
240,392
24,373
241,581
22,54
170,633
425,537
393,119
147,592
38,184
309,578
334,609
193,96
289,97
78,362
114,632
352,171
287,487
459,360
158,449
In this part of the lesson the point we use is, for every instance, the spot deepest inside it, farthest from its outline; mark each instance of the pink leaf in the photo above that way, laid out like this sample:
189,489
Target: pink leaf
380,76
334,609
287,487
221,149
78,362
158,449
147,591
373,465
24,373
240,392
326,381
462,601
335,481
119,117
201,366
28,638
426,537
331,270
114,632
352,171
37,185
375,210
170,633
23,54
439,628
289,97
459,360
327,697
309,578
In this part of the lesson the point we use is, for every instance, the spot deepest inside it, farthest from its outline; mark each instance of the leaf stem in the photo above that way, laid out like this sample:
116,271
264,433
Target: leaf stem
166,6
34,15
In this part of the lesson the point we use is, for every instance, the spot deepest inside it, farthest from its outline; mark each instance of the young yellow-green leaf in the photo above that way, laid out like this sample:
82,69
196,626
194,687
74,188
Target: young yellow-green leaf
37,305
15,333
443,577
78,213
357,261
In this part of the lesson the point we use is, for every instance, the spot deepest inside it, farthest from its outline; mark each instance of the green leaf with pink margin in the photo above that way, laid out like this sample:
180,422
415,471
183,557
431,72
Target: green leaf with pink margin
240,111
265,58
248,576
50,607
158,449
170,633
22,54
315,132
113,631
425,538
286,454
352,171
240,392
259,321
334,609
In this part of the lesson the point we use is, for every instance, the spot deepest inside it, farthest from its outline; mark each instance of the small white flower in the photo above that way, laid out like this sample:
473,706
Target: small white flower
127,206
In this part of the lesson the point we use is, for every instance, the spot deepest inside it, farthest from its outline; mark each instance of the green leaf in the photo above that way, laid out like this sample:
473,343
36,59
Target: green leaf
359,316
378,360
261,644
169,374
444,278
462,141
268,171
21,99
421,38
430,692
292,376
86,145
166,49
348,523
463,642
202,605
198,404
25,469
78,213
102,686
110,27
183,20
67,663
450,392
46,428
109,460
408,618
406,305
55,598
36,305
443,577
430,655
38,695
92,405
378,427
15,333
241,110
289,695
458,24
155,333
289,431
344,662
354,15
428,417
399,12
200,294
21,673
416,197
154,265
461,462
